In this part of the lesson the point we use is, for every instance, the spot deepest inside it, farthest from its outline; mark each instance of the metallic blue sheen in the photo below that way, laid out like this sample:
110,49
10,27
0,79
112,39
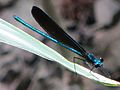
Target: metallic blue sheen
46,35
90,56
97,61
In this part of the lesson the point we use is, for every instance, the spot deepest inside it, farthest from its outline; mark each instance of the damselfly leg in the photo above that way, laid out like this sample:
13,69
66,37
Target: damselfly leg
85,62
74,60
105,72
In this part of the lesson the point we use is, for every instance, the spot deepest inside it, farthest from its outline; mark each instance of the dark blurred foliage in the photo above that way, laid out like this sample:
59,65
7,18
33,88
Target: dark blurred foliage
3,50
115,20
76,10
33,61
116,75
79,12
7,4
36,73
10,76
44,85
24,84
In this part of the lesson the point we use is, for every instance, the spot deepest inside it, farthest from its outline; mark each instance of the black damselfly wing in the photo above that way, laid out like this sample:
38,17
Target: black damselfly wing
55,30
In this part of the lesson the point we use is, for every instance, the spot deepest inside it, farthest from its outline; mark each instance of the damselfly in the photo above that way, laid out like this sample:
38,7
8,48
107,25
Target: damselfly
60,37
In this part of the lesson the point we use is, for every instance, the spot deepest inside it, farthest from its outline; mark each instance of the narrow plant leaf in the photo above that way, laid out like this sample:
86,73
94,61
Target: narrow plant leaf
12,35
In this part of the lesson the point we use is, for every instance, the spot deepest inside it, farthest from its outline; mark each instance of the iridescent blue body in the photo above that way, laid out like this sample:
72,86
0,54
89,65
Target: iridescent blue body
45,35
89,57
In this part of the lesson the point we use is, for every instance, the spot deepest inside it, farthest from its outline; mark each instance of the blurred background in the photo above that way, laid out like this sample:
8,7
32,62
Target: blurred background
95,24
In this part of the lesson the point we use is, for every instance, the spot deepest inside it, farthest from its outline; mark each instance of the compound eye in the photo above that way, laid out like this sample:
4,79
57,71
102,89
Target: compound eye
101,59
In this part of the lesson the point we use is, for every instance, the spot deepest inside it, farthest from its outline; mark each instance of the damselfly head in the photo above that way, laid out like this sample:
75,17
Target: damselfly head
99,63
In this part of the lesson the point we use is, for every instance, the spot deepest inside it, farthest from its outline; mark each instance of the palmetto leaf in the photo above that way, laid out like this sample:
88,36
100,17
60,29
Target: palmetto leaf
12,35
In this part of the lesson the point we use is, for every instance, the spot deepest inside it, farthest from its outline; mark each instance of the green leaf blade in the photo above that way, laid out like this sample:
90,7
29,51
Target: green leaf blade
12,35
